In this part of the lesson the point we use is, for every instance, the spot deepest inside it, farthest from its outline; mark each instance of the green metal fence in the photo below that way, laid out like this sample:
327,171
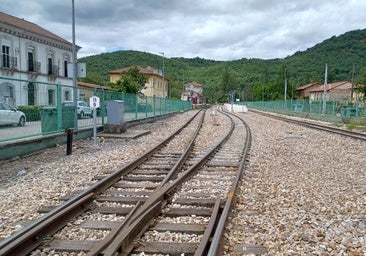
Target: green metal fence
336,110
50,114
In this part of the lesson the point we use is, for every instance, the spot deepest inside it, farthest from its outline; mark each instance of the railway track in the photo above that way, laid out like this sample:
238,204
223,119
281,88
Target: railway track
347,133
151,187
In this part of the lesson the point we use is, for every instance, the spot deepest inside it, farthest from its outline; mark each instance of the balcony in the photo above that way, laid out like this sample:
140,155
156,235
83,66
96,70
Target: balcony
9,62
34,66
53,70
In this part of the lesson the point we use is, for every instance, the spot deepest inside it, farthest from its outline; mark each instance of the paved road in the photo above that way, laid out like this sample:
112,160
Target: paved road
35,128
31,129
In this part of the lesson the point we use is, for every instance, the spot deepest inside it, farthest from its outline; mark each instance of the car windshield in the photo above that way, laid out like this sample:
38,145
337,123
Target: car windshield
4,106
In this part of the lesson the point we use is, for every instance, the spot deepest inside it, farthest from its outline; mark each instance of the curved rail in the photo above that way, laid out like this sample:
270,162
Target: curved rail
212,236
217,237
27,239
347,133
152,208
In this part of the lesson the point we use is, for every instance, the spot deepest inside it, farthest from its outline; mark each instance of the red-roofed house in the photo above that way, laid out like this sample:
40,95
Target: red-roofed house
35,60
339,90
304,91
154,85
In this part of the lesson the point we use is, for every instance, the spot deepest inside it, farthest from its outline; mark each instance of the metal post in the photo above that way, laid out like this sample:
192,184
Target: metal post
69,134
74,67
163,75
324,89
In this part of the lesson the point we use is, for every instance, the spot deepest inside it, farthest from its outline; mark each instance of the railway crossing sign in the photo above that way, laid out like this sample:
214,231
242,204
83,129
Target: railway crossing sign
94,102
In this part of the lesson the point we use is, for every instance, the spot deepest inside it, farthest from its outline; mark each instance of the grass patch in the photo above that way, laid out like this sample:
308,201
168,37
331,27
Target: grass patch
357,124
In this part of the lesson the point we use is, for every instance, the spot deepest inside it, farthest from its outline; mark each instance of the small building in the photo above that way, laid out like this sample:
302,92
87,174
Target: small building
304,90
33,61
86,90
156,84
193,92
333,91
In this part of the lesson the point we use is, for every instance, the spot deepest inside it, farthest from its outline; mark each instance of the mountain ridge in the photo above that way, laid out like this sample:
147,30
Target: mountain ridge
344,55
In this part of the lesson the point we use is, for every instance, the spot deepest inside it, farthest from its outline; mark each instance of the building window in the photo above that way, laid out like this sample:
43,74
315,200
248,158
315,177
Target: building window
65,68
49,66
5,56
51,97
33,66
31,93
30,61
67,96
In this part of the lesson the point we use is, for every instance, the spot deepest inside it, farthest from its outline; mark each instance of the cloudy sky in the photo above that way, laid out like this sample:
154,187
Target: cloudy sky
211,29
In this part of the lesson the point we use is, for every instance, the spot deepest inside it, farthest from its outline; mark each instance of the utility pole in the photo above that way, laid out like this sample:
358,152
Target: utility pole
163,75
74,67
324,89
353,77
285,93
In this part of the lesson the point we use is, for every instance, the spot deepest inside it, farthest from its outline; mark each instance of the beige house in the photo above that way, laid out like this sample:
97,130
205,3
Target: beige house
155,86
193,92
333,91
304,91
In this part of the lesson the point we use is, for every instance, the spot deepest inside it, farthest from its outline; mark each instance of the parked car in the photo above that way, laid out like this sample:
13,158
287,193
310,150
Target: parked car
83,110
144,107
10,115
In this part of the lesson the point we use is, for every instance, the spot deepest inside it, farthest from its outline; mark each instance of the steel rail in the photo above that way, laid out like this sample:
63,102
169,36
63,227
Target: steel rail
27,239
153,205
351,134
217,237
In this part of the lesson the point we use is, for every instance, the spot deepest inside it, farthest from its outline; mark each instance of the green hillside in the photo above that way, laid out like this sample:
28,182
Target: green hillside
253,79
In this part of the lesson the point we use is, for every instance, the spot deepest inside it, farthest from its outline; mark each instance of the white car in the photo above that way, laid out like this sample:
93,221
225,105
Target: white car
83,109
10,115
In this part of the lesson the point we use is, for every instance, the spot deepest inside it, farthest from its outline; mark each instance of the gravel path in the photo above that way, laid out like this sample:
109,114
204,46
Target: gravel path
29,183
304,193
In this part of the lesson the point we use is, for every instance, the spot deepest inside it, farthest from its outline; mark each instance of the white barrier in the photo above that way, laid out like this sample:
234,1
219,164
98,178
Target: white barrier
236,108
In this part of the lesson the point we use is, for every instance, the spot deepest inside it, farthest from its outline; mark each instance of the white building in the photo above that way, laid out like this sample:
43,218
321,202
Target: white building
33,62
193,92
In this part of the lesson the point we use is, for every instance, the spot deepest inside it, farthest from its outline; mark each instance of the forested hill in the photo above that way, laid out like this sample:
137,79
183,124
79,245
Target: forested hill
341,53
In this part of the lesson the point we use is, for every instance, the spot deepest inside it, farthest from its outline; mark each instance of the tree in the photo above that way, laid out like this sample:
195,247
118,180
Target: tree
131,81
361,82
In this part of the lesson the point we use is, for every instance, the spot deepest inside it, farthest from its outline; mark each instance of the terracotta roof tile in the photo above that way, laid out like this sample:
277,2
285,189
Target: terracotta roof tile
329,86
92,86
306,86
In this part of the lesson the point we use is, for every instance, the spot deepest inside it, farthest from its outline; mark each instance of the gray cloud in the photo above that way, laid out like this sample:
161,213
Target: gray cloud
212,29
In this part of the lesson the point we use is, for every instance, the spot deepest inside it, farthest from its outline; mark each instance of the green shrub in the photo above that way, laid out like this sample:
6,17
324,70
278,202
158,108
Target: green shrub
31,112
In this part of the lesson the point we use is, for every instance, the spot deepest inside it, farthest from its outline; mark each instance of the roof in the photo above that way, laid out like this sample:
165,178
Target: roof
306,86
330,86
194,83
92,86
26,26
145,71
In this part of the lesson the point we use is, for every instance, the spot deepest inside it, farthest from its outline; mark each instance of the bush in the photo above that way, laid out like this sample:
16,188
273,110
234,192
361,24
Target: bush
31,112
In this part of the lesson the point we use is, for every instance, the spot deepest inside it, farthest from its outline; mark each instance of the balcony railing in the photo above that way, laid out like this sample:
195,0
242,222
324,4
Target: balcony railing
53,70
34,66
9,62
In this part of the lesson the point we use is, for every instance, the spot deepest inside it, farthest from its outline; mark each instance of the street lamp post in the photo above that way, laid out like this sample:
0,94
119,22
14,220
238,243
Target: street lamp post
74,67
163,75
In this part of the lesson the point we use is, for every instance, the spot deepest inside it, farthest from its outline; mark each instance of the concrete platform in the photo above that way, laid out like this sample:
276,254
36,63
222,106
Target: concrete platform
129,134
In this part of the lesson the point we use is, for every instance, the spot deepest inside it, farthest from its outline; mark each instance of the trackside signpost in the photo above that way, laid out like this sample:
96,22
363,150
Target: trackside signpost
94,103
